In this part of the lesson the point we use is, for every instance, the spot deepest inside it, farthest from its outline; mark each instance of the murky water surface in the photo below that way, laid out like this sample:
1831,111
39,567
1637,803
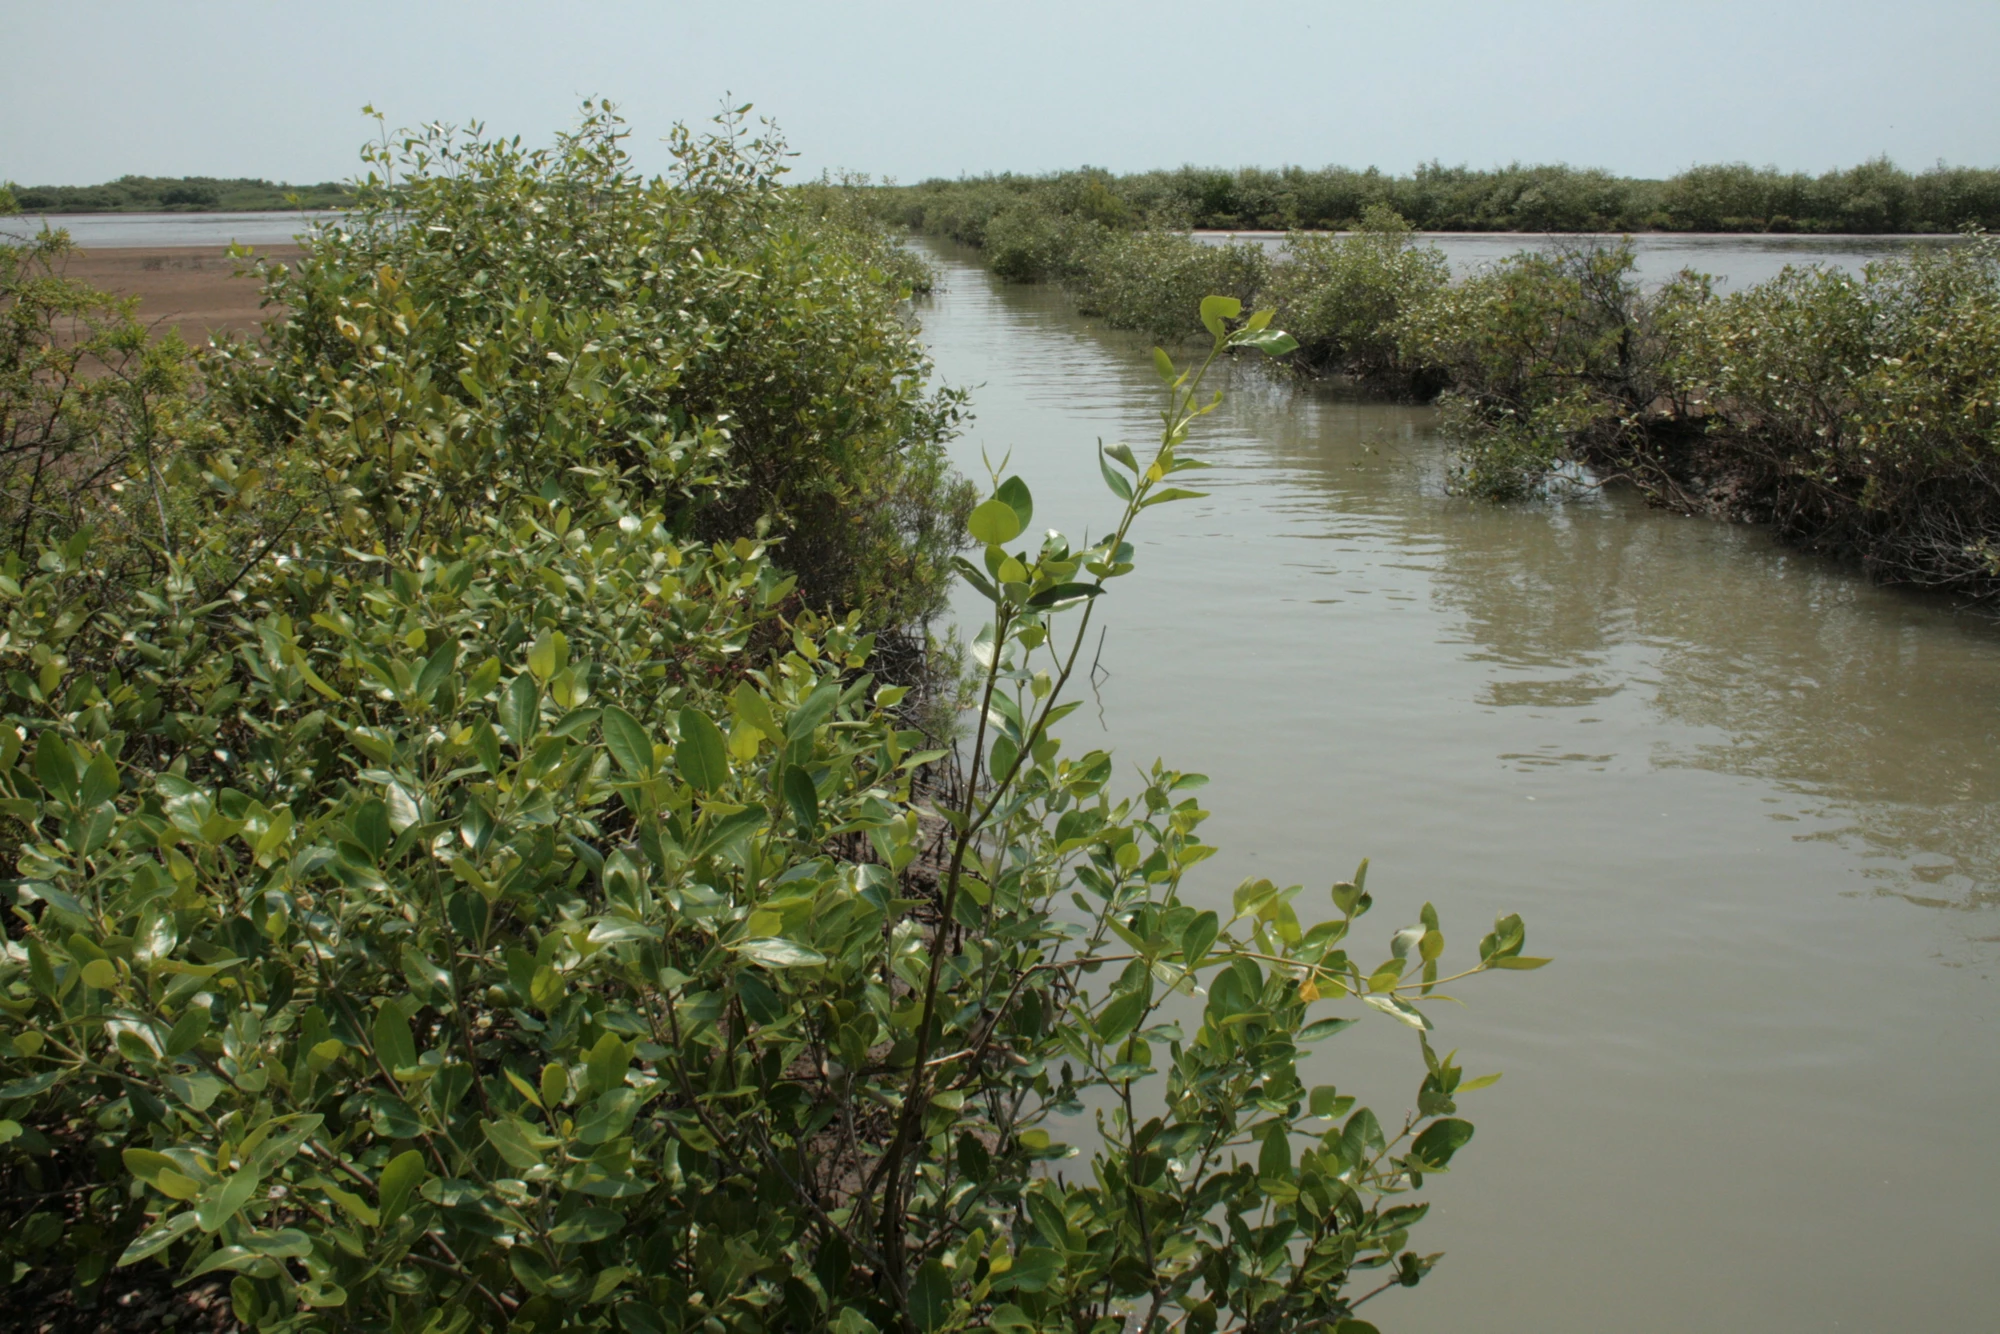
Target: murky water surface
1749,803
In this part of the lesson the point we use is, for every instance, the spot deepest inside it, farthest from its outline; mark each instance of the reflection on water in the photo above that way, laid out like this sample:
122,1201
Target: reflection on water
1725,784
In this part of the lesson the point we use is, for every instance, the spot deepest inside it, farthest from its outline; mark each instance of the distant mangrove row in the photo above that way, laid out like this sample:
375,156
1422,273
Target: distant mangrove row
182,194
1874,197
1858,416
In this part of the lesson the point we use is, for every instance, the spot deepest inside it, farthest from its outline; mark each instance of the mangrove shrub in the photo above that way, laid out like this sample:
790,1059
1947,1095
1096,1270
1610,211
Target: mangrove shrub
460,885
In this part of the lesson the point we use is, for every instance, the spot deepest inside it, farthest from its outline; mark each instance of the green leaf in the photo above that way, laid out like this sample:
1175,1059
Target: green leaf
221,1202
1014,494
394,1046
930,1296
1049,597
973,575
803,798
1216,309
549,654
517,1144
55,765
521,710
398,1182
586,1225
1199,935
438,669
777,952
605,1063
1170,494
353,1205
160,1172
285,1243
1519,962
189,1029
1327,1102
29,1087
1035,1267
1271,342
1164,364
1398,1008
627,741
157,1237
995,522
817,708
1274,1158
755,710
1324,1028
1441,1140
486,746
608,1117
701,755
1120,486
100,782
1119,1017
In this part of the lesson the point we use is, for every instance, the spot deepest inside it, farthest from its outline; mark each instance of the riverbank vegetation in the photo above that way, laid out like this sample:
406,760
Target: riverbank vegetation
1855,415
182,194
485,861
1874,197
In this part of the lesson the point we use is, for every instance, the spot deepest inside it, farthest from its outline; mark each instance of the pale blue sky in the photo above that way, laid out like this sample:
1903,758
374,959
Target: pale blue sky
97,88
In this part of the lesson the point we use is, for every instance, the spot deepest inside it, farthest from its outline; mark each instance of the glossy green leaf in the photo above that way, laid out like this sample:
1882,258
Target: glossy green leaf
1216,309
701,755
930,1296
628,742
1120,485
994,522
803,799
521,710
398,1185
1014,494
395,1047
1442,1139
1198,937
777,952
1062,593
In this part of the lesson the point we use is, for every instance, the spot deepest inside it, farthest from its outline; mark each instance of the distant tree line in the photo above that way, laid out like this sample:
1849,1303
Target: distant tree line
1874,197
183,194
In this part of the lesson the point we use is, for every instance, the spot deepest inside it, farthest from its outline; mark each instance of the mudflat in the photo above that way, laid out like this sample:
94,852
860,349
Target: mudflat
199,290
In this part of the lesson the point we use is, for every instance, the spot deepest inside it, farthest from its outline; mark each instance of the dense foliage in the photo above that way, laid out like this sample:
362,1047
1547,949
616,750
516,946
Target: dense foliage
90,406
184,194
1343,297
1875,196
464,883
495,313
1862,415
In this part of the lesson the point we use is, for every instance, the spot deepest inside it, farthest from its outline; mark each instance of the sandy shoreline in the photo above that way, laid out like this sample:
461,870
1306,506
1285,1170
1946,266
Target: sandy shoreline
195,289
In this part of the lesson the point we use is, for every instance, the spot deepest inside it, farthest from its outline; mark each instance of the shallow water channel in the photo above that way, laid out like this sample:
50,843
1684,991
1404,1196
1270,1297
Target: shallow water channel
1750,804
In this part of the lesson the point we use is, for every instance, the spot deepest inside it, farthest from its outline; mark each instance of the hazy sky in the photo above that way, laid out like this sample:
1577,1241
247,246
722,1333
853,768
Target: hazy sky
97,88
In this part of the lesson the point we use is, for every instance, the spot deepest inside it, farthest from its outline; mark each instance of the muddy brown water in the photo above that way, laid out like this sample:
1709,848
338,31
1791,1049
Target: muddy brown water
1749,803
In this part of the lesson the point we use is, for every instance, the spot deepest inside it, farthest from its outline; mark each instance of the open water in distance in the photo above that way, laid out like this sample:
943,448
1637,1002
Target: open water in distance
1736,261
1749,259
132,231
1750,803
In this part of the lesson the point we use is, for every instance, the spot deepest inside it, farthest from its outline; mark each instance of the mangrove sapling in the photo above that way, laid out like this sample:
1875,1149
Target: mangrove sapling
1202,1216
